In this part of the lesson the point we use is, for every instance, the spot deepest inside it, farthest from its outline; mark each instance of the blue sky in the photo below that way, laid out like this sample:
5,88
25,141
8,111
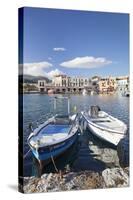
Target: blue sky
76,43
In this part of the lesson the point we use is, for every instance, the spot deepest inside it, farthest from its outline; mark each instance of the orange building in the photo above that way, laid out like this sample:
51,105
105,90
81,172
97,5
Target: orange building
107,84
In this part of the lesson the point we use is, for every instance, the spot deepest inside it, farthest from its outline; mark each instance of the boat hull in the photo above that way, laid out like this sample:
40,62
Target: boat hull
49,152
105,136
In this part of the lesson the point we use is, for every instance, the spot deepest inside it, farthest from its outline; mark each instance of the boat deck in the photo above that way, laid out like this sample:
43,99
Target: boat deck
51,133
55,129
111,125
103,120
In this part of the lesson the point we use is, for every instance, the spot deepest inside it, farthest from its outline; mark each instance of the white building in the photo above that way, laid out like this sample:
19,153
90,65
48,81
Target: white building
65,84
122,83
66,81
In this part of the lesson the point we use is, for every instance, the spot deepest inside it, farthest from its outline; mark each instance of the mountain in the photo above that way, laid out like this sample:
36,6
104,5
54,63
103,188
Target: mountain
32,79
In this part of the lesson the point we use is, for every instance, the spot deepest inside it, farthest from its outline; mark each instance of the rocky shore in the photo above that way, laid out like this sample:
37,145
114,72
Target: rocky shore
108,178
101,167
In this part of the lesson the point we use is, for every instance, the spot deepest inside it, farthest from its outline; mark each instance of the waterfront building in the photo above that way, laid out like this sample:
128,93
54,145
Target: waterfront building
66,81
27,87
65,84
43,86
122,83
107,84
71,84
60,81
41,83
94,81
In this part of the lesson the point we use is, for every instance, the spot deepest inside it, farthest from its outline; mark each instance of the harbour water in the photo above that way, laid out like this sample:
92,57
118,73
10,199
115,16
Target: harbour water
88,153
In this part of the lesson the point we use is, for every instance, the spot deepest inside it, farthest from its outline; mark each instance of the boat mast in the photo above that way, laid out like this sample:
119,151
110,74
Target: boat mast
54,103
68,103
68,106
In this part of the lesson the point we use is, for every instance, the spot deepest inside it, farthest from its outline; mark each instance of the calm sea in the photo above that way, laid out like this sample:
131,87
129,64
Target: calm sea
37,106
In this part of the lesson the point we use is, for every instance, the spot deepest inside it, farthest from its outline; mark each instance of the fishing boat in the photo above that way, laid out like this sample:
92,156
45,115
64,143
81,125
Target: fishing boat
55,135
104,126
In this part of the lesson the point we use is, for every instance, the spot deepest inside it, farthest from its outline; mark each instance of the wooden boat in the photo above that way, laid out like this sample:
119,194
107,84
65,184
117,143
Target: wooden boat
54,136
104,126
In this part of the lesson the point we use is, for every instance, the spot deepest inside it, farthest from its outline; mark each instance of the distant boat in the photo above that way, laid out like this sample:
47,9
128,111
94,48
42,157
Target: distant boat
126,94
54,136
50,91
91,92
84,92
104,126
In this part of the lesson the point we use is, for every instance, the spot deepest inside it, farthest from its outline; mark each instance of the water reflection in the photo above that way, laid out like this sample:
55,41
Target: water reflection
88,152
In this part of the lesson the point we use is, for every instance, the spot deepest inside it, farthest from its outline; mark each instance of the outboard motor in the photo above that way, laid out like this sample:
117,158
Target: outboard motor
94,110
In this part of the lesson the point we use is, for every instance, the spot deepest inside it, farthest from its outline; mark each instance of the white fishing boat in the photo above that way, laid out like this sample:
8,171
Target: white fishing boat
54,136
104,126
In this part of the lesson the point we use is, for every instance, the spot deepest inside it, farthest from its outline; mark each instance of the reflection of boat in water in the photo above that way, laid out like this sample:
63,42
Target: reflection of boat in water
54,136
84,92
104,126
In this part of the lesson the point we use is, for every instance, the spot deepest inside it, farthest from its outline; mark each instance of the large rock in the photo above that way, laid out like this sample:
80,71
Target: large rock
123,152
116,177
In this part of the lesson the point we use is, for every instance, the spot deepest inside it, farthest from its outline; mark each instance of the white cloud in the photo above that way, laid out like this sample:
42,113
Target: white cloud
36,69
86,62
59,49
53,73
49,58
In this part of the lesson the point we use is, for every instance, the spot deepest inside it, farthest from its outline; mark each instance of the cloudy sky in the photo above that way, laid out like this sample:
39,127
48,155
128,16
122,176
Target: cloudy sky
75,43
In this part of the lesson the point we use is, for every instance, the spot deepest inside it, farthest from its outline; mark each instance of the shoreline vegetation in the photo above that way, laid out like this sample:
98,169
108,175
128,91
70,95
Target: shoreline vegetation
83,180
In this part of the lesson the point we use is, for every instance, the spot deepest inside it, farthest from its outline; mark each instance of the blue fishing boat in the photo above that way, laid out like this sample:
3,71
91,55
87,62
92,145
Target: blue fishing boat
54,136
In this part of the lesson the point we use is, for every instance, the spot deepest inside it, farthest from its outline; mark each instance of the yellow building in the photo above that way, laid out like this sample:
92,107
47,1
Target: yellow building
108,84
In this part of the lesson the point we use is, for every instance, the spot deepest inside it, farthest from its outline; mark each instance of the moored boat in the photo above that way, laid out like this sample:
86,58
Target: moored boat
54,136
104,126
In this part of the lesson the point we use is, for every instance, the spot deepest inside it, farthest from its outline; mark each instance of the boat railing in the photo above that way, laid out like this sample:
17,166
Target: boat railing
77,115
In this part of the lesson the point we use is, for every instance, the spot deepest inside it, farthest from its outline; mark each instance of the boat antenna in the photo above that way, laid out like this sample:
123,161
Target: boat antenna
55,103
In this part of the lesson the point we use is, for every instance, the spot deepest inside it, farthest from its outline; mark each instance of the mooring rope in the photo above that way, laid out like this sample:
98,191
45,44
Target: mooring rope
26,154
53,161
